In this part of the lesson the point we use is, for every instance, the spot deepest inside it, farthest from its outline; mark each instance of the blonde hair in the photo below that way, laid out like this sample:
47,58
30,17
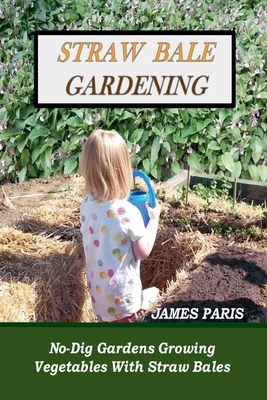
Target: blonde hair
105,166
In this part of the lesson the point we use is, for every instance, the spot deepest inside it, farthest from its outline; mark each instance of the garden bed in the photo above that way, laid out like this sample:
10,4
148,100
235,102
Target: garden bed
245,190
204,257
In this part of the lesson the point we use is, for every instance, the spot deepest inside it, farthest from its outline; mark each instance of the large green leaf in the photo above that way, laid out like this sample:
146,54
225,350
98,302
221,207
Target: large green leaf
189,130
25,157
154,151
256,157
35,153
211,131
70,164
73,122
49,143
31,120
213,163
3,114
175,167
223,114
22,174
40,131
213,145
170,129
125,115
167,146
136,135
9,133
262,172
146,165
228,162
194,161
22,142
238,170
256,145
155,171
254,173
185,116
203,124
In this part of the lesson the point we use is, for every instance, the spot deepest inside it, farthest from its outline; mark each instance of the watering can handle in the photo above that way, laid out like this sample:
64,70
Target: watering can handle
152,195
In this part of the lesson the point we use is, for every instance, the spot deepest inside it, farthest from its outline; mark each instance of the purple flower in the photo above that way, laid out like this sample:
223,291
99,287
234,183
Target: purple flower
238,54
3,126
170,157
88,120
254,113
244,26
137,148
189,150
241,150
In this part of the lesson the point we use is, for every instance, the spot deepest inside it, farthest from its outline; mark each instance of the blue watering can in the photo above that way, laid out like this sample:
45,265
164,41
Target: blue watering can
139,197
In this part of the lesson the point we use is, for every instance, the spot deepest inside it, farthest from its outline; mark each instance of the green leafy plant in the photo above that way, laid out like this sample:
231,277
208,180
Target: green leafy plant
225,142
179,197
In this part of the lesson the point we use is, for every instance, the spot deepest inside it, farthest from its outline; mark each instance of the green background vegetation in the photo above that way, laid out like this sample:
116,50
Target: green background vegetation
42,142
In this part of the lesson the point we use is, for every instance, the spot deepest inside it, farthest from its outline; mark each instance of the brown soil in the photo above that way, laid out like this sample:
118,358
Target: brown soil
230,278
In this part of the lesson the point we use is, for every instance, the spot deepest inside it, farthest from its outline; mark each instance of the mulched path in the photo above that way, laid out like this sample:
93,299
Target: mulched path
230,278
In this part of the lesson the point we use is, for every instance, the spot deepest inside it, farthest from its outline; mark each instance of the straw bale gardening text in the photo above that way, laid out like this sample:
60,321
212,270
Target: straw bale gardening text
130,365
78,68
93,52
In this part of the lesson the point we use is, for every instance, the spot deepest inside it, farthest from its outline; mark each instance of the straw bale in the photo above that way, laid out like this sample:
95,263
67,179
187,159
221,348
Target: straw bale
53,270
172,251
58,219
17,302
17,242
59,212
38,225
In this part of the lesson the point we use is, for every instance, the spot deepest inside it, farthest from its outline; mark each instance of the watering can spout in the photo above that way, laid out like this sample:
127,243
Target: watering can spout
139,198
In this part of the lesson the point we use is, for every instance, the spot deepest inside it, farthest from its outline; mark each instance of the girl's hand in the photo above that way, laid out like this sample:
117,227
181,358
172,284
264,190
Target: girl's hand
142,247
154,213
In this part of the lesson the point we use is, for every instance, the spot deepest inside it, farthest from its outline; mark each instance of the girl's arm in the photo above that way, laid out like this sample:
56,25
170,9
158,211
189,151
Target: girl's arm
142,247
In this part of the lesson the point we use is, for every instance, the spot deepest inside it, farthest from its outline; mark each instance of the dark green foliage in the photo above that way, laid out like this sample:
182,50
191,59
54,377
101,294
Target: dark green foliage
41,142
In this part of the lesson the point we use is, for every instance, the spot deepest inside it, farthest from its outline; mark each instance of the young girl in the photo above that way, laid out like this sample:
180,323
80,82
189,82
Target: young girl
114,236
